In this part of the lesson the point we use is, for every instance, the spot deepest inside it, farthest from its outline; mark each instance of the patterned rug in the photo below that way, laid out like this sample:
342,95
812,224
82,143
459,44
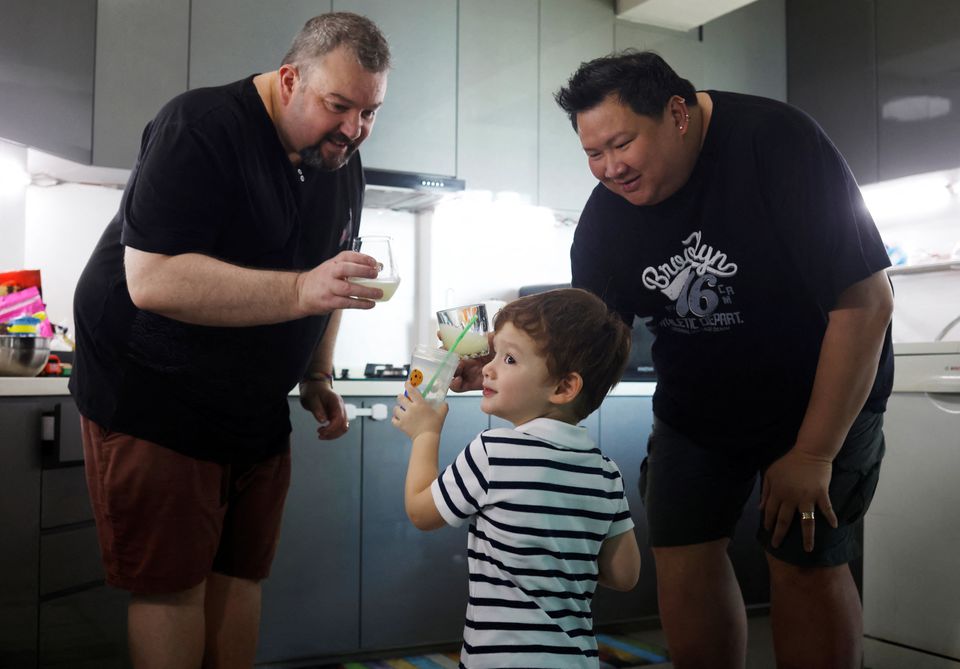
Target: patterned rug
616,652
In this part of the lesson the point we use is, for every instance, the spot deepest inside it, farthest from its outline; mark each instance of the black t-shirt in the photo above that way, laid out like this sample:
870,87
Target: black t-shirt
737,272
213,178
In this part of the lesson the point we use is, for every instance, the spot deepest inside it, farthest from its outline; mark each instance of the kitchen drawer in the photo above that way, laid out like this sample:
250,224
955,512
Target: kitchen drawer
69,559
85,630
63,497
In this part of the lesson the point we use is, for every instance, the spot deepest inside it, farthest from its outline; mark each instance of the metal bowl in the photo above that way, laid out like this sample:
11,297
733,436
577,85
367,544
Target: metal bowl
23,355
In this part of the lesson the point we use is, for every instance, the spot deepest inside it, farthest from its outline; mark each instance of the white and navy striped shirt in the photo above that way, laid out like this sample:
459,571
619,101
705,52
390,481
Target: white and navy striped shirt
541,499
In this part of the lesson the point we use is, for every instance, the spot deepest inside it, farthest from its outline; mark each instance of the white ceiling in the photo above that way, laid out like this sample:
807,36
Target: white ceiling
676,15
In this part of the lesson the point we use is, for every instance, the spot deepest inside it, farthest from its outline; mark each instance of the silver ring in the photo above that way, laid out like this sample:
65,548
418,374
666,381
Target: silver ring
806,515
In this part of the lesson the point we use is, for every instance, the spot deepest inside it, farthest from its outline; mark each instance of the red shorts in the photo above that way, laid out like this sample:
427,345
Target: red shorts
166,521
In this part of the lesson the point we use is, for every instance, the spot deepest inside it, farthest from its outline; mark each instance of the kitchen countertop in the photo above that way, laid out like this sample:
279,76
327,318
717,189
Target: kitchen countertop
11,386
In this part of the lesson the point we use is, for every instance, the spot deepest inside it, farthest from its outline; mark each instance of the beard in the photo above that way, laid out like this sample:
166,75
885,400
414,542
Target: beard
312,156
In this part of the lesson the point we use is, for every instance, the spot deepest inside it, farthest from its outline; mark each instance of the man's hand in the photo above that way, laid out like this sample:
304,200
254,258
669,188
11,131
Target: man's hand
469,372
797,483
325,288
414,416
319,398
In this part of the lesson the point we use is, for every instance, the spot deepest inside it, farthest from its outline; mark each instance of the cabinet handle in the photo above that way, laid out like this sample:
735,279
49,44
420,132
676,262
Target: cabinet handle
376,412
48,427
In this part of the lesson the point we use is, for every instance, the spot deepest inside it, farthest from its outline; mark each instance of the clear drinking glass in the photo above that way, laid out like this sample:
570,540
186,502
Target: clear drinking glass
380,248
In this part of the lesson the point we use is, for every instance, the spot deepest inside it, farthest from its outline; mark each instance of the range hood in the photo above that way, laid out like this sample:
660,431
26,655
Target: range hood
406,191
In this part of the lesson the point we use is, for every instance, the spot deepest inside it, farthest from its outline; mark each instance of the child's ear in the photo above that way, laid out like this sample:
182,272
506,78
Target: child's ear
567,388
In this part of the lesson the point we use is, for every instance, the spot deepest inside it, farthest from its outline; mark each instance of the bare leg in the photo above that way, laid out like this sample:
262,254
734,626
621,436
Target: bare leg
701,607
816,617
166,631
233,622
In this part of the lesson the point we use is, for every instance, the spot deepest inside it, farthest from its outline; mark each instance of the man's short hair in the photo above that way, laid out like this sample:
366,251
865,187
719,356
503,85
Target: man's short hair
575,332
326,32
640,79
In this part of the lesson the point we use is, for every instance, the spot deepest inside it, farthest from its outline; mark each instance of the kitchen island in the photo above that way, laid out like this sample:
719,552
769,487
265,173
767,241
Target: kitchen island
351,575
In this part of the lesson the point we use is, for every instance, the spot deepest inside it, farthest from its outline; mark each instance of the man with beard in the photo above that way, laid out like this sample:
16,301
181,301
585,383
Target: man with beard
215,289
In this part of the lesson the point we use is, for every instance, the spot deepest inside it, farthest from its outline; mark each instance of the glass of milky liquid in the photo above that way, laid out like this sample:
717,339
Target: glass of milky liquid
380,249
475,342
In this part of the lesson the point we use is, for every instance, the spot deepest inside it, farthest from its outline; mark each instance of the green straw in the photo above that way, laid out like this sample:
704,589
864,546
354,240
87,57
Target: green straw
446,358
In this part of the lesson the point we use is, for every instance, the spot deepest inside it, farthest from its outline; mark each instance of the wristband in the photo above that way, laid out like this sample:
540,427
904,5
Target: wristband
320,376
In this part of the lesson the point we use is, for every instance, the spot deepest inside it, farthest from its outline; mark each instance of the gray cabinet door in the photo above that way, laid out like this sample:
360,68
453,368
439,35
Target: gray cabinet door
142,55
416,129
414,583
310,604
20,519
497,117
918,90
232,39
571,31
831,75
625,424
46,75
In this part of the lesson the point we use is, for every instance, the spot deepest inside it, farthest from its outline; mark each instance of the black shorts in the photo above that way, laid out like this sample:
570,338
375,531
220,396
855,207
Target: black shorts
694,495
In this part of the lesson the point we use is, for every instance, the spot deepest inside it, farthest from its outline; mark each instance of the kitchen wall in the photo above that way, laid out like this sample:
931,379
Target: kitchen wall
13,177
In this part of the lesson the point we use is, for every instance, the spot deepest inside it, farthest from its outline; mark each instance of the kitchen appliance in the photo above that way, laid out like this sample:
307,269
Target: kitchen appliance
406,191
911,580
640,362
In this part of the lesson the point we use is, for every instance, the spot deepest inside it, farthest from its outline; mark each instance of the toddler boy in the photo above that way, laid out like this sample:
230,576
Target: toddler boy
549,520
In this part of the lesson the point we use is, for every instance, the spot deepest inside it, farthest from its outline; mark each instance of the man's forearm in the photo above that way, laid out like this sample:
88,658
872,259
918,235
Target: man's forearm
202,290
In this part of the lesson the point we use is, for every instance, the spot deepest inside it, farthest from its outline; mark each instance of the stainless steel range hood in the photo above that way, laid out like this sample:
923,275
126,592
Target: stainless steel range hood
407,191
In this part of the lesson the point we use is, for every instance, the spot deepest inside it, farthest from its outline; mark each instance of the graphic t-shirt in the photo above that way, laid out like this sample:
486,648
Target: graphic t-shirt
737,272
211,178
540,499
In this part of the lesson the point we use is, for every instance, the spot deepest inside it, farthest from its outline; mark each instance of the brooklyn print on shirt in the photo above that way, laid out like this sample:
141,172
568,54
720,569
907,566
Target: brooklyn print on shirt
694,281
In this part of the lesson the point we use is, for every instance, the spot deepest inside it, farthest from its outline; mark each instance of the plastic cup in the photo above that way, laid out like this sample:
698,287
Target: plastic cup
433,367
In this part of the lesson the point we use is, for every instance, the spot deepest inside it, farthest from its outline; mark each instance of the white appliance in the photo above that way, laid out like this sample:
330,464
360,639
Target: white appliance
911,563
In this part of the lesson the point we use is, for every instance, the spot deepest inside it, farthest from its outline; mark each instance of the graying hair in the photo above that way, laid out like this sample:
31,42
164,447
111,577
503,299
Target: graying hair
324,33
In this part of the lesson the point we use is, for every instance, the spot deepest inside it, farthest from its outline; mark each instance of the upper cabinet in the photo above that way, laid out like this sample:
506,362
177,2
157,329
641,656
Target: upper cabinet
497,135
831,75
571,32
141,64
416,129
918,86
46,74
881,77
232,39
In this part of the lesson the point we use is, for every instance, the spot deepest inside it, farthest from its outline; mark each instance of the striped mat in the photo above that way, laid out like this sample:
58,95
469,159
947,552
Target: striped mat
616,652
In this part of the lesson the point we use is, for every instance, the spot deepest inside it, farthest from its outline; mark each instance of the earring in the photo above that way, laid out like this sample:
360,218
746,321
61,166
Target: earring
681,127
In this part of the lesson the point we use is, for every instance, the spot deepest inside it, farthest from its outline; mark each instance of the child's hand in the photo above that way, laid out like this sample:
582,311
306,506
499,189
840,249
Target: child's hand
415,416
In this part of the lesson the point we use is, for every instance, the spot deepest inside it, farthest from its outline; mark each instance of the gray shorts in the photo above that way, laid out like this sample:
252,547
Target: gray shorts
694,495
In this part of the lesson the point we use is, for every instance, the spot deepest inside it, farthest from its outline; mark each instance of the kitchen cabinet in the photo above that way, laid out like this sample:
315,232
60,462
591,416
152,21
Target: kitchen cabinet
497,133
142,55
46,72
414,583
918,87
571,31
20,519
54,607
81,78
881,77
416,129
832,75
316,571
264,29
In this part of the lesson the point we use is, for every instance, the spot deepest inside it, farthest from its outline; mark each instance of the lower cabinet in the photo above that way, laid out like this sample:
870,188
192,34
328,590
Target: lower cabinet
413,583
310,603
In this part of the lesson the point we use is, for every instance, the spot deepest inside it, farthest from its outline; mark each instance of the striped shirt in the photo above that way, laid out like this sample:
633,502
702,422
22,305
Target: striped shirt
541,499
